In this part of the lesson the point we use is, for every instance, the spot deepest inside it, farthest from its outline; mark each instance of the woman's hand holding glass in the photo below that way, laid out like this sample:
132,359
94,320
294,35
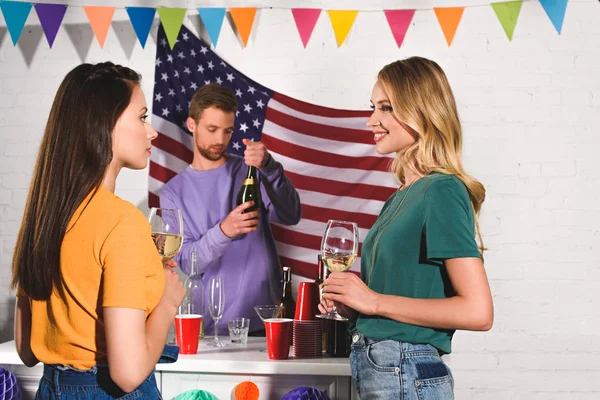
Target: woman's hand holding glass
174,292
349,294
339,249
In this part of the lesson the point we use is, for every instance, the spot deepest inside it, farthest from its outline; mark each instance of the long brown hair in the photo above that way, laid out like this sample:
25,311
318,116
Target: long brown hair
422,100
75,152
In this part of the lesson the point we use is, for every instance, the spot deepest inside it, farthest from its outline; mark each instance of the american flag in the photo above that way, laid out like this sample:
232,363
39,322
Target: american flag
327,153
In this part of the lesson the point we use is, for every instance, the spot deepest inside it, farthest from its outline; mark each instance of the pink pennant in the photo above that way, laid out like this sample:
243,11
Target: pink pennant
399,21
306,19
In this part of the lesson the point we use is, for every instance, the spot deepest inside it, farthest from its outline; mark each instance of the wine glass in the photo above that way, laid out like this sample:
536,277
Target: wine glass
216,303
167,231
339,249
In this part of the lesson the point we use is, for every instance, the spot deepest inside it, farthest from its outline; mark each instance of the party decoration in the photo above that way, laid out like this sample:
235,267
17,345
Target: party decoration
342,21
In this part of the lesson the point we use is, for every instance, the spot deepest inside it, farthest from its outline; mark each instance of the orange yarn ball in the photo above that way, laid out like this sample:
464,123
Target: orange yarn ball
246,391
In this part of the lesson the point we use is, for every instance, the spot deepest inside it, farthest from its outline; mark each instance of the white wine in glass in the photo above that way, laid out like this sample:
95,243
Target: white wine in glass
339,249
167,231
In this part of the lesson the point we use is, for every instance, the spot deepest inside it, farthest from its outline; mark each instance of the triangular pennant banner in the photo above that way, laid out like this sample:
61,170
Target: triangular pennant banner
507,14
449,18
100,18
141,18
243,18
171,19
341,21
212,18
399,21
306,19
15,15
556,12
50,16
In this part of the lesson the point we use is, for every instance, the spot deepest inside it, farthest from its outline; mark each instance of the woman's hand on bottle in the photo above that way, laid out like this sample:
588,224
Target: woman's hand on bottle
256,154
237,223
174,291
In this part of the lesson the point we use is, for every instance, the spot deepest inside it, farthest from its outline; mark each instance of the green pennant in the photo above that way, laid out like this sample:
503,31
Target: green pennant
171,19
507,14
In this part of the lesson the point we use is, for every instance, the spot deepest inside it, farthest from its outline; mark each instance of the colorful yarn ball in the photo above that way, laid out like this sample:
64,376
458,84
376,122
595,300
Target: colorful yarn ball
246,391
9,387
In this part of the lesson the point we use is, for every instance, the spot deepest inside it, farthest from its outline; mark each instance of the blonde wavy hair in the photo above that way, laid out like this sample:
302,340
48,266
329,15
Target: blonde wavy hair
423,102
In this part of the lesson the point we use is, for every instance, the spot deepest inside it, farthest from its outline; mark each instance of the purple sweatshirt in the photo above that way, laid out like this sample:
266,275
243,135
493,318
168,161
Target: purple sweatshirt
248,264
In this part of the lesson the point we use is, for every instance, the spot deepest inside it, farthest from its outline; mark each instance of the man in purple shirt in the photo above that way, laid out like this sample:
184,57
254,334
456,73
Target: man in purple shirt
231,245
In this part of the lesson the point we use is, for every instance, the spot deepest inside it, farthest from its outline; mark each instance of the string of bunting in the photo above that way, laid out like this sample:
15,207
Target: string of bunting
100,17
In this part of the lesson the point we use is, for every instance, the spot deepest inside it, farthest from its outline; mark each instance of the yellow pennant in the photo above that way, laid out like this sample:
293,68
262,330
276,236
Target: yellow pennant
341,21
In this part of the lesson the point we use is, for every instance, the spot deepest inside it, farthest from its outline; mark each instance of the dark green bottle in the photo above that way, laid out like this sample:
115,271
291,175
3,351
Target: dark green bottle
250,190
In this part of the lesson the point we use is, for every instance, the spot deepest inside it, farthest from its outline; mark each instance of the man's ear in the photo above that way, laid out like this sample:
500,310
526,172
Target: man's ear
191,124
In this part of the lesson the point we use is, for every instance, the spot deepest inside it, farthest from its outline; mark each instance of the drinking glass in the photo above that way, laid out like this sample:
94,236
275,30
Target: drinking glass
216,303
167,231
339,249
266,312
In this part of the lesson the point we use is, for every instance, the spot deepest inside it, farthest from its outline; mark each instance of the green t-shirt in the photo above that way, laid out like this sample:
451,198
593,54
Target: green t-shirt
413,236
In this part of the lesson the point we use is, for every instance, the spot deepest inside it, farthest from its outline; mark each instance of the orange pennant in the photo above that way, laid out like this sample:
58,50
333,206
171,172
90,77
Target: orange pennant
243,18
100,19
449,18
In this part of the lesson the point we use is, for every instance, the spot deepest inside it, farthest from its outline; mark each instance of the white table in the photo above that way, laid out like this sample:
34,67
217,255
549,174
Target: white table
220,370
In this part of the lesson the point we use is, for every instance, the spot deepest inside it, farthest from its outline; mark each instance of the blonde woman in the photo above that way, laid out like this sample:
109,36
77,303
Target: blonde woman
422,274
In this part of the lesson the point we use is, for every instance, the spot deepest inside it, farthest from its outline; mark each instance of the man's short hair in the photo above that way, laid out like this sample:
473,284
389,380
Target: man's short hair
212,95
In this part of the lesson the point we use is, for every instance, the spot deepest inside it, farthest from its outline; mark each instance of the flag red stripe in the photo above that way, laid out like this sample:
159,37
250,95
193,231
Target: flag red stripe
323,158
296,238
300,239
313,109
304,269
308,270
173,147
153,200
337,188
160,172
319,130
321,214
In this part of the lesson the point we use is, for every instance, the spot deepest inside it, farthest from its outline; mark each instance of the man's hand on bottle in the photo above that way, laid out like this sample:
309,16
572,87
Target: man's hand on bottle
236,223
256,154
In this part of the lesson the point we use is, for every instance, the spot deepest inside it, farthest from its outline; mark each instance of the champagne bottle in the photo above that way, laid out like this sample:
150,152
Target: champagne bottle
287,305
250,190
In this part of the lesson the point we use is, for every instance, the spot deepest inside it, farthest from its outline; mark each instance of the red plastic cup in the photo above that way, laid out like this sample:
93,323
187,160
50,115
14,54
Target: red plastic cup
308,302
187,332
279,337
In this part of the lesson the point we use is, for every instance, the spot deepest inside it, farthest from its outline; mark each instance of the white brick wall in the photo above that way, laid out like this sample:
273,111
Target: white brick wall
530,110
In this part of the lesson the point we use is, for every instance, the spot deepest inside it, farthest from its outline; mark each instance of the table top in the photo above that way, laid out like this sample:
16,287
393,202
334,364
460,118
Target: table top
232,359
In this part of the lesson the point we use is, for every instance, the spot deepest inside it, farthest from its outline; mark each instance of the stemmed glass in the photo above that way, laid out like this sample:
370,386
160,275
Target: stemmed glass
266,312
167,231
339,249
216,303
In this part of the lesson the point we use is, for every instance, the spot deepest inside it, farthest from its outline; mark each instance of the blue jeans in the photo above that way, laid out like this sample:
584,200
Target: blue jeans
66,383
389,369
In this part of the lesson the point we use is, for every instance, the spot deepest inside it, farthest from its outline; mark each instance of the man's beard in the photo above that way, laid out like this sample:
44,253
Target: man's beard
211,155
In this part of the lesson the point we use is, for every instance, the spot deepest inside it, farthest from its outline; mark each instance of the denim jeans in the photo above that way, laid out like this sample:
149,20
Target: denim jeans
389,369
66,383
